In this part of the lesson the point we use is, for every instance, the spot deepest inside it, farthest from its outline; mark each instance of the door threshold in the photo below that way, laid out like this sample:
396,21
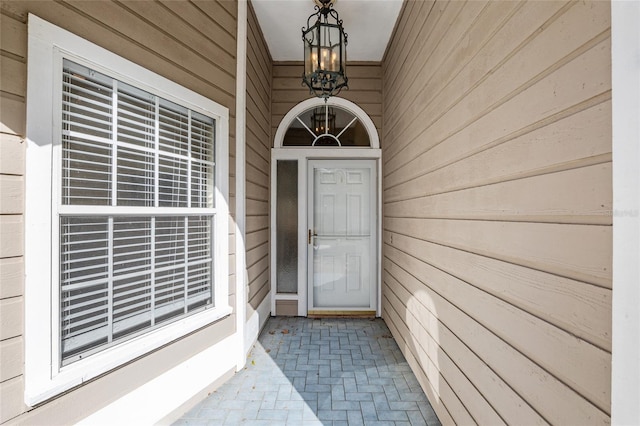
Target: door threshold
341,314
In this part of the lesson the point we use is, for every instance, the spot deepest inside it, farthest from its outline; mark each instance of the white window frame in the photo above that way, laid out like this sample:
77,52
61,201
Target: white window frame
48,46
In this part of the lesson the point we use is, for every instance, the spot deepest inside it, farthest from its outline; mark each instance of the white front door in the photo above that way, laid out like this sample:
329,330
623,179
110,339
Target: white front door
342,235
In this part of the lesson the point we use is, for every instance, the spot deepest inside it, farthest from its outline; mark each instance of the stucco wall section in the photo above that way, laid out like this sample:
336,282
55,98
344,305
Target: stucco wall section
191,43
497,199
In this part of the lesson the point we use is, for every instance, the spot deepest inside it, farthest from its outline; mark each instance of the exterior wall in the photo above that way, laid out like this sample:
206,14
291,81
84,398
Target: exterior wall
365,89
497,207
191,44
257,170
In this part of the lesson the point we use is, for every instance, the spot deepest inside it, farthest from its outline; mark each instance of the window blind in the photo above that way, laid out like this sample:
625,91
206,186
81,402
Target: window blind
129,262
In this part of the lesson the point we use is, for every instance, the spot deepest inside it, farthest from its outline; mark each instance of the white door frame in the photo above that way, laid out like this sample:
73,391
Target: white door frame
373,296
302,155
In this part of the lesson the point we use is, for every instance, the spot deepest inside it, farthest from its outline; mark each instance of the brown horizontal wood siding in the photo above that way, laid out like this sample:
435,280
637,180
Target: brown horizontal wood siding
497,200
287,308
190,42
365,90
258,160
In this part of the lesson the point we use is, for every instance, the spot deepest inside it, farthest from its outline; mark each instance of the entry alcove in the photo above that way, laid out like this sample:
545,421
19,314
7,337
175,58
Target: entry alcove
314,130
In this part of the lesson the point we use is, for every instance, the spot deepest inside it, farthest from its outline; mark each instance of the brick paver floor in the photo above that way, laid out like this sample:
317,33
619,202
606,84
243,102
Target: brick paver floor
319,372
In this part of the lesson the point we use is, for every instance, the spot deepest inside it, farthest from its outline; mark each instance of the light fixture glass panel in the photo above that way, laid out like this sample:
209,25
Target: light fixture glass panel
308,55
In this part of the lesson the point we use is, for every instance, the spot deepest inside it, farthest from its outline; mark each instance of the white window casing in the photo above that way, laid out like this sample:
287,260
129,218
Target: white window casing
126,215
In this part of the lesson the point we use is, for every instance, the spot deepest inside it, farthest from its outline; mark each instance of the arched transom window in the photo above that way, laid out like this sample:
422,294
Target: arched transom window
326,125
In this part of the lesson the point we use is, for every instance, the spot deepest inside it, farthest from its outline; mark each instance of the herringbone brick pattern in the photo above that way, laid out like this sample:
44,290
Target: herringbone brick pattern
319,372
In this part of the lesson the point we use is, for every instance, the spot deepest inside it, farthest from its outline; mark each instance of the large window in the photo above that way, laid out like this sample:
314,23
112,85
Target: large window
124,271
126,239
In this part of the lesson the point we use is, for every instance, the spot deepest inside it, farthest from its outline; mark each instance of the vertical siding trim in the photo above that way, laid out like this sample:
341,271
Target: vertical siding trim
241,120
625,377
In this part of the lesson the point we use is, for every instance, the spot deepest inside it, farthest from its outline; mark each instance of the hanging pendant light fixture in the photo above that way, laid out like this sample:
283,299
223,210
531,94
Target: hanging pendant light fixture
325,52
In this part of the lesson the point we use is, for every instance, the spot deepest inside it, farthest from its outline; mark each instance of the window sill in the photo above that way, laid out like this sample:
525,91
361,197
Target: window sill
68,377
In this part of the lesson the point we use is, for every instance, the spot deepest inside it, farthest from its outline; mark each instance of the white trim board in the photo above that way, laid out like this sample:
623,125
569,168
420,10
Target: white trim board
625,373
240,234
256,323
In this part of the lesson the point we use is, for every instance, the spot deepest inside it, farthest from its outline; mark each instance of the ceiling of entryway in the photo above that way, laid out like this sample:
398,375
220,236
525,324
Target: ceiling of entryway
368,24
